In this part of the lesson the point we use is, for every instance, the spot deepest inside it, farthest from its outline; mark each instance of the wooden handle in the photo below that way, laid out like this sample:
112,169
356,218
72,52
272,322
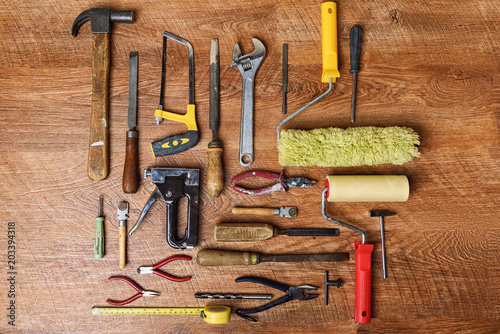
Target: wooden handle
209,257
215,171
122,246
131,168
242,232
253,211
98,161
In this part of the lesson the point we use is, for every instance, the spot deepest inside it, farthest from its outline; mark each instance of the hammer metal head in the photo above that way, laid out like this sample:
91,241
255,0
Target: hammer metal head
381,213
100,19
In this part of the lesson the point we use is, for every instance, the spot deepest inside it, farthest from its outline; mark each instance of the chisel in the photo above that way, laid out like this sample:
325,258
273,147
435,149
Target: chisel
131,167
215,172
208,257
260,232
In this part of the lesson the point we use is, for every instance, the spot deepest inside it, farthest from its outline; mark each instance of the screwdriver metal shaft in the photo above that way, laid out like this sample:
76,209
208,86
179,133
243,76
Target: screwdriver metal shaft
355,46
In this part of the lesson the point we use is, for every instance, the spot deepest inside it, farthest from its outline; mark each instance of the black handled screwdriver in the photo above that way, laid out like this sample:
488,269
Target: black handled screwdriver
355,44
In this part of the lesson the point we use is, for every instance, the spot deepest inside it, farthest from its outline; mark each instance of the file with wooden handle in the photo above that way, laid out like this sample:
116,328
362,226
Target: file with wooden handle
131,167
209,257
215,170
261,232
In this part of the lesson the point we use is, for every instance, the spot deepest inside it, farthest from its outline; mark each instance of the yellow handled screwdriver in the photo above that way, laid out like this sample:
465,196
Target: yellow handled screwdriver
99,233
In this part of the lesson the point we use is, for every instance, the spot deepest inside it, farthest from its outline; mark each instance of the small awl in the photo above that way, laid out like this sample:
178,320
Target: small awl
131,168
99,233
209,257
260,232
215,171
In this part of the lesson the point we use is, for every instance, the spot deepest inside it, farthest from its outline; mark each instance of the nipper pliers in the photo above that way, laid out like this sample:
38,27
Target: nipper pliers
154,269
293,293
283,182
137,287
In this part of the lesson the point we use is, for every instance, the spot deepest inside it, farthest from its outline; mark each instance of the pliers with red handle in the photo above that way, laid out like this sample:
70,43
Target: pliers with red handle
283,182
137,287
154,269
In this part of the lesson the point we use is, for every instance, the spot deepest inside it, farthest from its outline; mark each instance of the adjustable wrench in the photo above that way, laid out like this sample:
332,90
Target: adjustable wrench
247,65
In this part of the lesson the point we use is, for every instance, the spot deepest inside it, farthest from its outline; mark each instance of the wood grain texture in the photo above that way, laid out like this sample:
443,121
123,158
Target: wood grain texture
429,65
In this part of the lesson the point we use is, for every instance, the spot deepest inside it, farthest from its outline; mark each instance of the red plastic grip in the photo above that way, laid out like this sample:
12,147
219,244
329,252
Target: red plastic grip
363,290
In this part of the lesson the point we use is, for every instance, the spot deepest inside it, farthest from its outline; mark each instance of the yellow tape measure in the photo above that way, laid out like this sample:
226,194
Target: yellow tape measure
214,314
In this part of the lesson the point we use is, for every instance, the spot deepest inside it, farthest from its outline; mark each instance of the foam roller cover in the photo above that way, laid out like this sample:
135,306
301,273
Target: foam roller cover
335,147
367,188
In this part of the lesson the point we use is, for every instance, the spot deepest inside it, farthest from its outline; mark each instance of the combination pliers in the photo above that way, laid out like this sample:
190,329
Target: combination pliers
293,293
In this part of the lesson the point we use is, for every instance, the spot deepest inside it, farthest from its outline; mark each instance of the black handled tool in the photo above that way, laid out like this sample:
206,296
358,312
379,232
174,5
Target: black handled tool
292,293
355,46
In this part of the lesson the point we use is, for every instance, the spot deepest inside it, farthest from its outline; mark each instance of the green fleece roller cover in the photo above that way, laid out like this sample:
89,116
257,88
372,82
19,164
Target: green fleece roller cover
335,147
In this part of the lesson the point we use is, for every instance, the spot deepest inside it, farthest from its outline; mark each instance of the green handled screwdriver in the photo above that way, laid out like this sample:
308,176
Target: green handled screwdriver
99,234
355,46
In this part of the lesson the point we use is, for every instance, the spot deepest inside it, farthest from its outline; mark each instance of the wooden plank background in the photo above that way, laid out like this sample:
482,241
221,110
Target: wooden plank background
432,65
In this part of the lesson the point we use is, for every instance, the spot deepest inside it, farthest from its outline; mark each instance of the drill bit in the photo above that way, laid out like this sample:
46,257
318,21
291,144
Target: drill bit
355,45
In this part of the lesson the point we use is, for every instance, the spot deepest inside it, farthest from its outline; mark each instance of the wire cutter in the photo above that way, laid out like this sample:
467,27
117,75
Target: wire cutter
283,182
154,269
137,287
293,293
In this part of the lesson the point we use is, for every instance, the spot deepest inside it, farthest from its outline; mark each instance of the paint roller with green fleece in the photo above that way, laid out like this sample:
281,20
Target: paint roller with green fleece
335,147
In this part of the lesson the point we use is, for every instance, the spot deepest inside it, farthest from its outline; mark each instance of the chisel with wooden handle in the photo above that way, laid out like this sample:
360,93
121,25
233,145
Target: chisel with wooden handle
131,168
208,257
215,171
260,232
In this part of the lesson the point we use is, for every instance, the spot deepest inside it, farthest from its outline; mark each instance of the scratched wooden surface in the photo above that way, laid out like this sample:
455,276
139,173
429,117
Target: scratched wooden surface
430,65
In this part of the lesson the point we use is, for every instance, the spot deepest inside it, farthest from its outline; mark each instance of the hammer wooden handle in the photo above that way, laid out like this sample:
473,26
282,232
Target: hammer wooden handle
253,211
98,160
131,168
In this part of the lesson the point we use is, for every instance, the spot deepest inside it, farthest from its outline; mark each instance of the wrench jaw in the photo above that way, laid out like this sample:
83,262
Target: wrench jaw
251,61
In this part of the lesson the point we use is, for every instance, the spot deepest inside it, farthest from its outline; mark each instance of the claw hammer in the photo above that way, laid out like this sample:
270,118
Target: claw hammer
100,26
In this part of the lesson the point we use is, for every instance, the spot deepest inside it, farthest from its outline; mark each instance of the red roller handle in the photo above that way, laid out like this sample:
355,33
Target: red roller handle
363,291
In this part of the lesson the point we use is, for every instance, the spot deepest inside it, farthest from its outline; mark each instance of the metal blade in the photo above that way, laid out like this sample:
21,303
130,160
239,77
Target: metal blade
214,88
298,182
332,257
309,232
132,91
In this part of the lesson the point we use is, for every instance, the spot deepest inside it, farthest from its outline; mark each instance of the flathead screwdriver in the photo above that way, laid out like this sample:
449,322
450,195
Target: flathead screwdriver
355,46
99,233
